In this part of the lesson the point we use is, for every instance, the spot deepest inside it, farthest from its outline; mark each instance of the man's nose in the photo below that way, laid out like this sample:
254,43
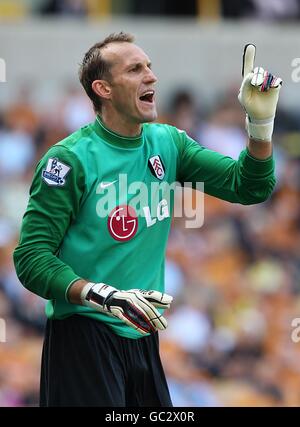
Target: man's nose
150,76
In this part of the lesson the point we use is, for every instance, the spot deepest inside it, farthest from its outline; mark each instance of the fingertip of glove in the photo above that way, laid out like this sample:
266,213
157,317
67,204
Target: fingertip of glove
247,50
168,298
250,46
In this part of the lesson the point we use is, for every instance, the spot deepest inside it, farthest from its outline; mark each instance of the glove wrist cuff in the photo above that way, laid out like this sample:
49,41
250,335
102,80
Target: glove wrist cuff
100,289
260,130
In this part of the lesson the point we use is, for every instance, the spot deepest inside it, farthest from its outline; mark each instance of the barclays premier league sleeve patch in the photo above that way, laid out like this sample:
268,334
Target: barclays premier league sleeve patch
55,172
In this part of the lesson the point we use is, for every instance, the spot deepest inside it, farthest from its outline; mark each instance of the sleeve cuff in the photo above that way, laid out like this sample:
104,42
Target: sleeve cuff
62,283
253,167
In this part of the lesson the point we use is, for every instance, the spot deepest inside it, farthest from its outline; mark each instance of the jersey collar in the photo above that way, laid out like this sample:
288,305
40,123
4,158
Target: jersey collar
115,139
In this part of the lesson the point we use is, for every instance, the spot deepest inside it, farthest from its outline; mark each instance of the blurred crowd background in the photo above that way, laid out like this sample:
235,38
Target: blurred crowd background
235,280
262,9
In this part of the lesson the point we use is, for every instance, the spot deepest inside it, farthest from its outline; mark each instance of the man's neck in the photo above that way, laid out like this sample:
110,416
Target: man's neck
120,125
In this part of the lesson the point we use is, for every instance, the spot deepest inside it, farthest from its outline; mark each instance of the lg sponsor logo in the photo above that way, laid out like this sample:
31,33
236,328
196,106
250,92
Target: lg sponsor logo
152,202
123,221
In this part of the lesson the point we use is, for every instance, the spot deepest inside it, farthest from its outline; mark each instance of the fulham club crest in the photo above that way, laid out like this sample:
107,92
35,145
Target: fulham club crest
156,166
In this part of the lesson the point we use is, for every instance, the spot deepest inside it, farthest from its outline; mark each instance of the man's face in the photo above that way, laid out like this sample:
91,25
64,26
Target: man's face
132,82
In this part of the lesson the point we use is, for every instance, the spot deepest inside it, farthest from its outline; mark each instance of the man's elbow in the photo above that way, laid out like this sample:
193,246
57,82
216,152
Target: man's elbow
17,259
256,199
256,196
21,263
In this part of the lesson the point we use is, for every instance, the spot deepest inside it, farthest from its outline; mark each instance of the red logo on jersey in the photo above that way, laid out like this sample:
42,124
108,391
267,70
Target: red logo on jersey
122,223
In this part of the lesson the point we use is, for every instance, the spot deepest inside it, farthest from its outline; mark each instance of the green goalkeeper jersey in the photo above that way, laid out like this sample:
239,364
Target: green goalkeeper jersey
83,222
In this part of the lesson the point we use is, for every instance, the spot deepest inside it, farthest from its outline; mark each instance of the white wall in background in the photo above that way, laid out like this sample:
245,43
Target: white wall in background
185,53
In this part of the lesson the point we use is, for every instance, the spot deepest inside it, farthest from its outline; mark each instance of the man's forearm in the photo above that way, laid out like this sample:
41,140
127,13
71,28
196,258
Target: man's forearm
260,150
74,291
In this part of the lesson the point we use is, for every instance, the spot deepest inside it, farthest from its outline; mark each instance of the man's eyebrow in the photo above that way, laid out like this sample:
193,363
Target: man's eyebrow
138,64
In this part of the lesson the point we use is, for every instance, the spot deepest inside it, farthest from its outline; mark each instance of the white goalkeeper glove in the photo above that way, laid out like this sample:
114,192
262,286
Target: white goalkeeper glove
258,95
135,307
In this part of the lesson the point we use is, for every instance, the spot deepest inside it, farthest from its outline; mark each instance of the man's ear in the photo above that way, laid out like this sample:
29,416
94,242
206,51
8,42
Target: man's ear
102,88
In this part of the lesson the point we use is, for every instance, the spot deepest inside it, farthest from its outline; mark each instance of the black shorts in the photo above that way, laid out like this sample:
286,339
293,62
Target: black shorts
85,364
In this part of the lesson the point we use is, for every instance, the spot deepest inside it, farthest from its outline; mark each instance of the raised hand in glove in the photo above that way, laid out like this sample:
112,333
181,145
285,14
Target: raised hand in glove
258,95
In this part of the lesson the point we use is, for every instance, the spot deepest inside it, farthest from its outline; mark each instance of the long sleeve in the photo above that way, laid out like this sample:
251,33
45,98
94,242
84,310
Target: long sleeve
246,180
55,195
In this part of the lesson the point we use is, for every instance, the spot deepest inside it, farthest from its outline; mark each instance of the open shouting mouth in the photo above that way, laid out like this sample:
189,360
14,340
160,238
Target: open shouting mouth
147,97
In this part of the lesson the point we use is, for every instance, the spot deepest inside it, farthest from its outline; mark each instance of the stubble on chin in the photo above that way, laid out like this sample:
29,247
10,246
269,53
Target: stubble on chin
151,118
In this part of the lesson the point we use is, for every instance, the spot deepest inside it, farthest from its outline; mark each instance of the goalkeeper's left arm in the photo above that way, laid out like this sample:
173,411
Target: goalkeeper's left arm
251,178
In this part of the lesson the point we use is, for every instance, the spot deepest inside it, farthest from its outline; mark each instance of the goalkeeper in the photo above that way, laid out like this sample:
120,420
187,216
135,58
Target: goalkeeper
104,274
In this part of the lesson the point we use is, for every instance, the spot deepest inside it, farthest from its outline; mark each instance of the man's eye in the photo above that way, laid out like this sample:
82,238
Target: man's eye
134,69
